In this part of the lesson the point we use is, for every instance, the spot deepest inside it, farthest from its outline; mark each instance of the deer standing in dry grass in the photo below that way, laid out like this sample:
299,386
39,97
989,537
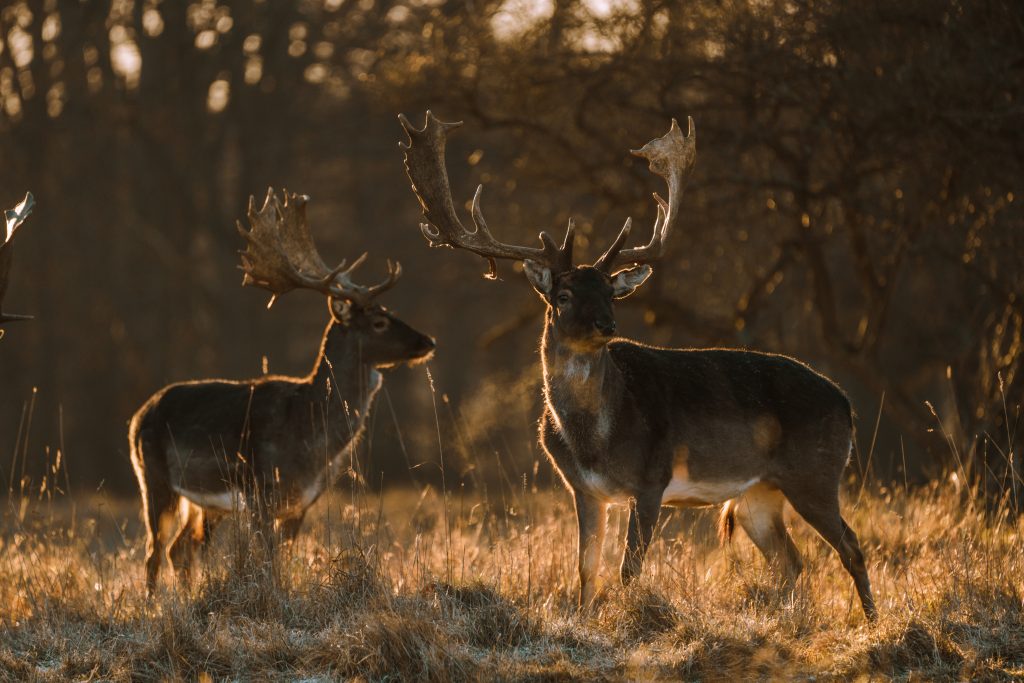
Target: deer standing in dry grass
270,445
13,218
630,424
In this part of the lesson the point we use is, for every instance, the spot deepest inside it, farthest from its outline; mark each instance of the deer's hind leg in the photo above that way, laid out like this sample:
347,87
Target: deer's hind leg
158,499
192,533
816,499
822,513
159,507
759,512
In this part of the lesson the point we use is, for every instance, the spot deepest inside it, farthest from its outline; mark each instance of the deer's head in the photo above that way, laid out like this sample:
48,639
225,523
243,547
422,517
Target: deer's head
580,297
13,218
281,256
581,300
384,339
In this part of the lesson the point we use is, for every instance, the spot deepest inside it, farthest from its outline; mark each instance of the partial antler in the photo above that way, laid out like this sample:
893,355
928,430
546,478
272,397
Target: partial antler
281,255
671,156
425,165
13,218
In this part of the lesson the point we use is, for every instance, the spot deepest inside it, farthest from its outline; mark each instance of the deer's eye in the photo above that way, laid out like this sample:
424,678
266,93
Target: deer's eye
381,324
563,298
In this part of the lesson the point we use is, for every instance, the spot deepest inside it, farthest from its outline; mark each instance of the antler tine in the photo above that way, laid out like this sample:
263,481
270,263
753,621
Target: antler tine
671,156
607,259
13,219
561,256
394,272
425,166
345,287
347,273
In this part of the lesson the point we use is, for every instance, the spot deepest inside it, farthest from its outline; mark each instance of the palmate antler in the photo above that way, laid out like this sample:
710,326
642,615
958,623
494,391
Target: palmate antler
671,156
424,163
281,255
13,218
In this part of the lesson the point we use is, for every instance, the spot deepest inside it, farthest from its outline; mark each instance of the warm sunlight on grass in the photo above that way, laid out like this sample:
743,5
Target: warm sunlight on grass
405,587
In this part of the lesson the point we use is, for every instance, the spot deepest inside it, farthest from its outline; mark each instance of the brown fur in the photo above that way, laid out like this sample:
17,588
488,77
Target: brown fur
628,423
254,442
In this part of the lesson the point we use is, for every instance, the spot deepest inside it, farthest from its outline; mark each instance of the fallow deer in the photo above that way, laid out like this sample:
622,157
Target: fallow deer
273,444
13,218
631,424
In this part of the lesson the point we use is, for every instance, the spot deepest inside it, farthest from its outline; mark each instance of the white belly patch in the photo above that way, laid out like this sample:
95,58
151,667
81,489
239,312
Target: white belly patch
223,500
682,491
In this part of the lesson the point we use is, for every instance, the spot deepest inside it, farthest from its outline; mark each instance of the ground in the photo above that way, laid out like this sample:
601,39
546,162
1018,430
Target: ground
413,586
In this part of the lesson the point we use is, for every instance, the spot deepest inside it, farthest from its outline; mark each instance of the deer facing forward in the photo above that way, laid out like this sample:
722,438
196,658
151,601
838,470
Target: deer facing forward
270,445
630,424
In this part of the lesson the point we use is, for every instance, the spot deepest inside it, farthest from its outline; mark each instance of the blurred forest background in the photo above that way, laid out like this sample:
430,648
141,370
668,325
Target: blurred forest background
856,203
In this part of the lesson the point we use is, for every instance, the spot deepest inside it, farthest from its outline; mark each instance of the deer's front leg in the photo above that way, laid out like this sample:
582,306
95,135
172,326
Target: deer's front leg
592,518
264,508
643,518
289,527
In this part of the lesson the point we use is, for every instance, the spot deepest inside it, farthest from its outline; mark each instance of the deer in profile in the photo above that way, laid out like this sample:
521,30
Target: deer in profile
630,424
13,219
270,445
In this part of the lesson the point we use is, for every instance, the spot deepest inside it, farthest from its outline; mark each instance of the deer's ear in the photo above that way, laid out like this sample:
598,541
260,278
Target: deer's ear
539,276
627,280
341,310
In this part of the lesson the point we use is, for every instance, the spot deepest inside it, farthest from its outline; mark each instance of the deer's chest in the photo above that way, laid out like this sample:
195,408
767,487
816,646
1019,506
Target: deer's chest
333,456
579,410
583,465
579,431
296,473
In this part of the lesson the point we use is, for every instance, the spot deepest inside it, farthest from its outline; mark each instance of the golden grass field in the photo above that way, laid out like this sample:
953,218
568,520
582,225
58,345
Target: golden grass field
410,586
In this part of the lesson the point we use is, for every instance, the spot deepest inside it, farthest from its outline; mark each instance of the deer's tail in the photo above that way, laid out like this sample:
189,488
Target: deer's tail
727,522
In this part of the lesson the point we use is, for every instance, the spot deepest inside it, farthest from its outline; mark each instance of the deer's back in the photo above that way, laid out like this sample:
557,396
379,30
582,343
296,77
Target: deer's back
725,415
716,382
195,431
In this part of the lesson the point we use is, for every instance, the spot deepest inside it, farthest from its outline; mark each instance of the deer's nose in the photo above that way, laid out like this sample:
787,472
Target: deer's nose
427,344
605,326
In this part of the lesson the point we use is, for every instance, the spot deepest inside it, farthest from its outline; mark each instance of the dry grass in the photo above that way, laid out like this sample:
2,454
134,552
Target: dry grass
406,587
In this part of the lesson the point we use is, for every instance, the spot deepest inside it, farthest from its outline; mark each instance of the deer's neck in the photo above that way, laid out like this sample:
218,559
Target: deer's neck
581,389
344,381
